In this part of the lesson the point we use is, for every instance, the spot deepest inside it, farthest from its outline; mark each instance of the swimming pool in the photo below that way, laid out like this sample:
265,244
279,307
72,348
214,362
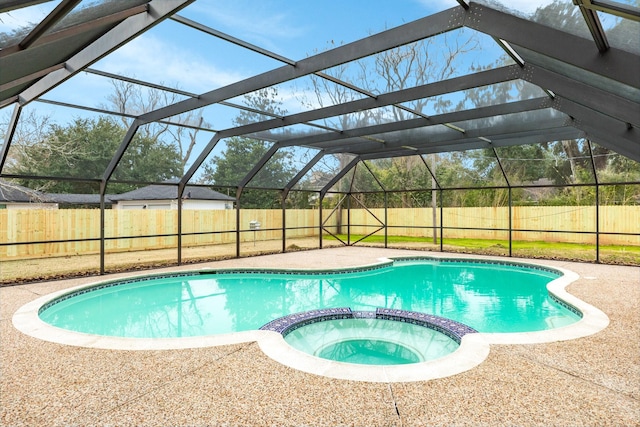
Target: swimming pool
207,302
489,297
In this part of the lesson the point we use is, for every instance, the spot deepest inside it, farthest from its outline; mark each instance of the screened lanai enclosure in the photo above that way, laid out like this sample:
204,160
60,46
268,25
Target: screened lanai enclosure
161,132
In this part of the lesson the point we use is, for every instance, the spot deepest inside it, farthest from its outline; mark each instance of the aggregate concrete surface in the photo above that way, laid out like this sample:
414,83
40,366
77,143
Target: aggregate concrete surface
592,381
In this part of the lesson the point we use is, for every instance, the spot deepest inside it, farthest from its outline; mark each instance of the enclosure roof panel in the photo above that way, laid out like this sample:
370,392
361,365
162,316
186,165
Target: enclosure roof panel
28,63
401,80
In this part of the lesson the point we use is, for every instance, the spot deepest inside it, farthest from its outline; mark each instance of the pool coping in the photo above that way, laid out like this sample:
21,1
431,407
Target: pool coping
474,347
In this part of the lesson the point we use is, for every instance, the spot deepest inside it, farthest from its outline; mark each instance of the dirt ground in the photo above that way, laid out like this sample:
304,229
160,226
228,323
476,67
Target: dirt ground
38,269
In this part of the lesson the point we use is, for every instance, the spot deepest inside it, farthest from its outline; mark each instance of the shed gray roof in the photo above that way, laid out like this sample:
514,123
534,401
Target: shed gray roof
77,199
170,192
13,193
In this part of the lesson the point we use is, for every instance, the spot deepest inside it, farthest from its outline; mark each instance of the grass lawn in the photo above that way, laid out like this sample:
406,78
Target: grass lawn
611,254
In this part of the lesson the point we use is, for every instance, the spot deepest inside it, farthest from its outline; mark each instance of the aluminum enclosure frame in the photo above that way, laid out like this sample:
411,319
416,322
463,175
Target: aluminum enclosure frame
598,113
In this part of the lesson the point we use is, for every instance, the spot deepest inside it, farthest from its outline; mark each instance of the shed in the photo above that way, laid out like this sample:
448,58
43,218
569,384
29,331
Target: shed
69,200
166,197
14,196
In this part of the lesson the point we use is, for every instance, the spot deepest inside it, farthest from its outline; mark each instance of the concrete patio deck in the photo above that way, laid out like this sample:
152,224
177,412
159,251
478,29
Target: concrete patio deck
584,382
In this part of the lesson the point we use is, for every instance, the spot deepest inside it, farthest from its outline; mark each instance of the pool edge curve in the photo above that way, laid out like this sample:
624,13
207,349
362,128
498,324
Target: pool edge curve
474,348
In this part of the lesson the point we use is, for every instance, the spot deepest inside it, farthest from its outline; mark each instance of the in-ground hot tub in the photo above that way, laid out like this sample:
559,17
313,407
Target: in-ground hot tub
381,337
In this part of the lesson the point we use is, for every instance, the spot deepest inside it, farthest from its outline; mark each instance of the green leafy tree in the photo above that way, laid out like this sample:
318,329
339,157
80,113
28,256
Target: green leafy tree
242,153
237,160
181,131
84,148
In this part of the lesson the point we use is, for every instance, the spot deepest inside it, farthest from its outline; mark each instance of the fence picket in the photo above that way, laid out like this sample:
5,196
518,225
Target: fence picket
218,226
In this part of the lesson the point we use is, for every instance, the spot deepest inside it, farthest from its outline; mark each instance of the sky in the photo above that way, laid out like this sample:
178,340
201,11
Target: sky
233,12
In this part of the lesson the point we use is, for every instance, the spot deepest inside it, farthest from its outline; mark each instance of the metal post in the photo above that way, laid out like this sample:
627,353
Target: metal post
595,177
386,220
102,245
506,179
284,220
597,223
434,216
349,219
441,223
180,192
11,129
433,202
320,197
510,223
238,193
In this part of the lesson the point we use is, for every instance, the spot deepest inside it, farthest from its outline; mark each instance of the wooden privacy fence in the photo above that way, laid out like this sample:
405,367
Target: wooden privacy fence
572,224
78,230
156,229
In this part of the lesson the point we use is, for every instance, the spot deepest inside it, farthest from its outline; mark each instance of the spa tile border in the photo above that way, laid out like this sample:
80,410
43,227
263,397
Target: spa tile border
451,328
286,324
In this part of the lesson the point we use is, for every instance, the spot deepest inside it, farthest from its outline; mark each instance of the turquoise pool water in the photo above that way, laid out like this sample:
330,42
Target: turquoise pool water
371,341
487,297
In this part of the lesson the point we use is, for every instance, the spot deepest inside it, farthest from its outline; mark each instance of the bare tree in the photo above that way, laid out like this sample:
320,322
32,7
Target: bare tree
182,130
425,61
32,130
